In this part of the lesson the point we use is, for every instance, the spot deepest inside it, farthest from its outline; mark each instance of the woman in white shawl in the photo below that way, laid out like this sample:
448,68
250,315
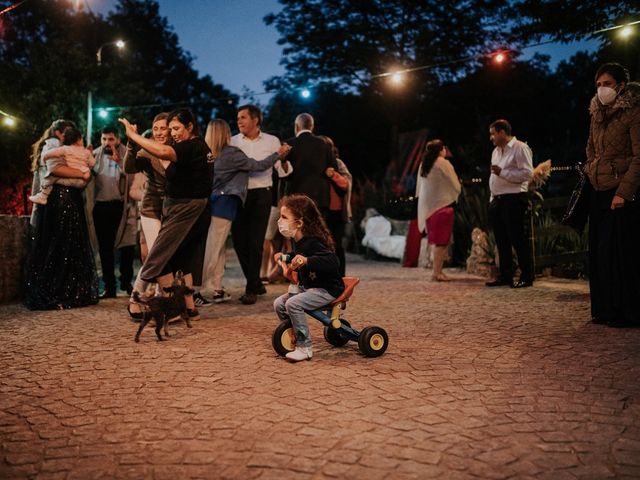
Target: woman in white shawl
437,189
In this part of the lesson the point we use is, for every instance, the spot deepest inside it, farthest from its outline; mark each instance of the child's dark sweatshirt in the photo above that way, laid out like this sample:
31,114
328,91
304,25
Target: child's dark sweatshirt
323,267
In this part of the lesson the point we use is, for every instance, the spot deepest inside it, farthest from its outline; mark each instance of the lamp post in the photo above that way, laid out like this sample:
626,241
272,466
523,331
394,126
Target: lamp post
119,44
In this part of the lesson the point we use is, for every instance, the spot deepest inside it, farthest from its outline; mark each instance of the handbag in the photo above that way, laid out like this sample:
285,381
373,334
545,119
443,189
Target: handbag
577,212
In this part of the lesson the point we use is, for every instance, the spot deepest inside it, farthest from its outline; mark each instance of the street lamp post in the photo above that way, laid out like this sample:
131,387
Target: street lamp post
119,44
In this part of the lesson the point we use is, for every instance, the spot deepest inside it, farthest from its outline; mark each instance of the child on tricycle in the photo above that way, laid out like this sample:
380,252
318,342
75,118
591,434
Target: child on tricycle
317,288
316,264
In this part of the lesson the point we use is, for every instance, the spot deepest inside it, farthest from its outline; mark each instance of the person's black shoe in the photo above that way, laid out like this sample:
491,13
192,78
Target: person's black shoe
108,293
261,291
497,283
199,301
127,287
598,320
249,298
522,284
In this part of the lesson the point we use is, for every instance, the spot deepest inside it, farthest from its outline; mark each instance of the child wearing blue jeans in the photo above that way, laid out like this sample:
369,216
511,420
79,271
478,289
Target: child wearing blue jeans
315,261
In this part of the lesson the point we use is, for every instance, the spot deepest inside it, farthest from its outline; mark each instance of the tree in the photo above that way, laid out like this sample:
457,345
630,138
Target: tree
570,20
349,42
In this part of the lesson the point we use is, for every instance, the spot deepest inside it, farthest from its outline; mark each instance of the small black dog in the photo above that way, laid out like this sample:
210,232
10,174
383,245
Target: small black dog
162,309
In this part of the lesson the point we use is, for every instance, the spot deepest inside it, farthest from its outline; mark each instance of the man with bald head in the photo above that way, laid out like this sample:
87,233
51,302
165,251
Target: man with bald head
310,157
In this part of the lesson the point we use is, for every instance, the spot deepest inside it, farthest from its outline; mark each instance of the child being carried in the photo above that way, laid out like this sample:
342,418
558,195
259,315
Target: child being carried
71,154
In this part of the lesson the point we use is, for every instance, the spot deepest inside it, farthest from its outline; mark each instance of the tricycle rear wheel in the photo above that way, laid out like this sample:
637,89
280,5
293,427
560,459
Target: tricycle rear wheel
373,341
335,336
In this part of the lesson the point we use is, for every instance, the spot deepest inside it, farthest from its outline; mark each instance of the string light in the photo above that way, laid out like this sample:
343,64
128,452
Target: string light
396,78
500,57
8,120
626,32
11,7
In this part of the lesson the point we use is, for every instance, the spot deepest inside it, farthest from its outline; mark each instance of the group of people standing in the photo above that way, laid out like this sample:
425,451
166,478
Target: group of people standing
197,190
613,180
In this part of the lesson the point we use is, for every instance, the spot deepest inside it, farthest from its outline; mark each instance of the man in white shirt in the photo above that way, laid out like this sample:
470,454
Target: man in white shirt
250,225
511,170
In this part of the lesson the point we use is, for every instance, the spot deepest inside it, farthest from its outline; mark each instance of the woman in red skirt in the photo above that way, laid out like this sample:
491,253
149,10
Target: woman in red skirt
437,190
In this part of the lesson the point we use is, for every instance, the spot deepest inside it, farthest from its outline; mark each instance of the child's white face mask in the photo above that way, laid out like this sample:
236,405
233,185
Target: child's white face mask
285,228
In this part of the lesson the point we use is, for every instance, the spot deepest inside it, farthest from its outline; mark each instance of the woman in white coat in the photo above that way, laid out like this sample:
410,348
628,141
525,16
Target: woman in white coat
437,189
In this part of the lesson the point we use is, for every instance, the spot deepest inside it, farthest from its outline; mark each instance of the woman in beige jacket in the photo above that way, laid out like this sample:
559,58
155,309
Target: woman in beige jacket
613,168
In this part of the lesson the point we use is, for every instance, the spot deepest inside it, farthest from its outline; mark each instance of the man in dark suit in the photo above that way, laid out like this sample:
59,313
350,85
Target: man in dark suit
310,157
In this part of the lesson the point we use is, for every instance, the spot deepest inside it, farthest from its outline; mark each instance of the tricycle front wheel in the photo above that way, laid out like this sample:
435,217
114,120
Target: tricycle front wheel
373,341
283,338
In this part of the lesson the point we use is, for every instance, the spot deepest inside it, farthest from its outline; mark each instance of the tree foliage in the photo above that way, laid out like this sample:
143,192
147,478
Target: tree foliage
568,20
348,42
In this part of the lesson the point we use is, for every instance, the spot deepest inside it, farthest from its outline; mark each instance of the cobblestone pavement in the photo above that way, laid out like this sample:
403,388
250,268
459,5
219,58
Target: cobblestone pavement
477,383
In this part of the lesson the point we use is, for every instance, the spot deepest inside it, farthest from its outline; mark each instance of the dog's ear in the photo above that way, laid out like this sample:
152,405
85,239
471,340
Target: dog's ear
168,289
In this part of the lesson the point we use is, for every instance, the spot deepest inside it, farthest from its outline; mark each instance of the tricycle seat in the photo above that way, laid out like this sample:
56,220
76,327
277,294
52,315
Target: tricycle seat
349,285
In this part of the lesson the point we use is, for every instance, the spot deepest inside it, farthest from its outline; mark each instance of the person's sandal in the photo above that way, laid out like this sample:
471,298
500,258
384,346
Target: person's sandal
135,316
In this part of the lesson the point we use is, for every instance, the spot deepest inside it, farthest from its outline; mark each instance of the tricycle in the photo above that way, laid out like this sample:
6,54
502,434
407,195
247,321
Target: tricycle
372,341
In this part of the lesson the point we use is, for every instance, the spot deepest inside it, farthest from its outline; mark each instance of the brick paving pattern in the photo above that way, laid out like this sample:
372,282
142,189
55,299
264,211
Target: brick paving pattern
477,383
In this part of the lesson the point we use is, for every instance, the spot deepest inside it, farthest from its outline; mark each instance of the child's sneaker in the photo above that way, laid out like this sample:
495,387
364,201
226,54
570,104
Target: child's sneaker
299,354
199,301
39,198
221,296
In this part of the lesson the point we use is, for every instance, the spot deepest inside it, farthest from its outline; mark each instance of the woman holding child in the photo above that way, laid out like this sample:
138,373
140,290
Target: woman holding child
61,271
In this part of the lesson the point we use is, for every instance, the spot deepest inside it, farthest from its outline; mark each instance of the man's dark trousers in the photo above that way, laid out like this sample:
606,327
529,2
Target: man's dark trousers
248,231
106,218
507,215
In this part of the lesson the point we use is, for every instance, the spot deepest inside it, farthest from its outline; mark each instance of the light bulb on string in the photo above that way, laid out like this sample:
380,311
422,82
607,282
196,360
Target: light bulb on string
396,78
626,32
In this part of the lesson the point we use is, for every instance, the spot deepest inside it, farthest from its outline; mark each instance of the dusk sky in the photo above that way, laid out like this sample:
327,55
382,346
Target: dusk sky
231,43
228,39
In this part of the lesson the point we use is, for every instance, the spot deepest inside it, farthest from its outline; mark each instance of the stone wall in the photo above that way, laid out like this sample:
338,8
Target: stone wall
13,250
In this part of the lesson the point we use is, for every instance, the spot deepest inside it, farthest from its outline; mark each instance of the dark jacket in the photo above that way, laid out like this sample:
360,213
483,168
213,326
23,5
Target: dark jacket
613,149
322,269
310,157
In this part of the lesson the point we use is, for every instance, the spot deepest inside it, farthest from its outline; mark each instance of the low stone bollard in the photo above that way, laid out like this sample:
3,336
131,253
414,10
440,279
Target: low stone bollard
13,251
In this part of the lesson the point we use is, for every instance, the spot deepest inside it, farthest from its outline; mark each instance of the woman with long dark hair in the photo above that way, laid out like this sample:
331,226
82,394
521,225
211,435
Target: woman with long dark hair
613,169
181,241
437,190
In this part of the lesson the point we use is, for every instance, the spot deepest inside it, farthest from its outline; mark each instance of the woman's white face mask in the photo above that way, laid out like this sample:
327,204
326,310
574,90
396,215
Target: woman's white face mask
607,95
286,229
